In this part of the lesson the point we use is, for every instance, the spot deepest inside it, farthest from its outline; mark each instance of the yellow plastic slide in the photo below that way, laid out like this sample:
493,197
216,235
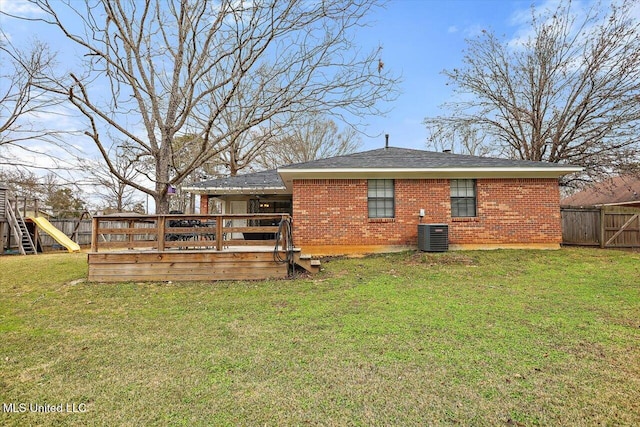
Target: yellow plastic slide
58,235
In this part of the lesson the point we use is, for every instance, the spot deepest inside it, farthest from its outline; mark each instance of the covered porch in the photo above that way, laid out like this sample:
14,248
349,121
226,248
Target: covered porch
255,193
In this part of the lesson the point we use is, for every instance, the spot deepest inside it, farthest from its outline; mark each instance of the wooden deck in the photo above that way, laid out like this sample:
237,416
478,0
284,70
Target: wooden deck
192,248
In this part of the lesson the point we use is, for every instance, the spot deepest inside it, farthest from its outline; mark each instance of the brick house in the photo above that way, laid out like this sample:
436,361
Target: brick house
373,201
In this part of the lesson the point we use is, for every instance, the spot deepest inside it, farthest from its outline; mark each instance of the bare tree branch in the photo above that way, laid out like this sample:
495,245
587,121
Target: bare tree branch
174,68
116,194
23,105
311,137
569,93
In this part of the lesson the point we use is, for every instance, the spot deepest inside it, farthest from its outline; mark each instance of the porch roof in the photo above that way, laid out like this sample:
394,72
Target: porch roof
263,182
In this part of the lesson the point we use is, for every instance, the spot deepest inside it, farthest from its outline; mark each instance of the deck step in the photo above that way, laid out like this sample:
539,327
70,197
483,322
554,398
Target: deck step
304,261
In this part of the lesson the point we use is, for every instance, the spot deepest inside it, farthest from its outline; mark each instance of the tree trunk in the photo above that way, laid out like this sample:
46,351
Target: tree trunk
161,195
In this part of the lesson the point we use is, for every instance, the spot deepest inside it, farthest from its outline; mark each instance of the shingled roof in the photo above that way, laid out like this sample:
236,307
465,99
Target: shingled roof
391,162
619,190
405,158
262,182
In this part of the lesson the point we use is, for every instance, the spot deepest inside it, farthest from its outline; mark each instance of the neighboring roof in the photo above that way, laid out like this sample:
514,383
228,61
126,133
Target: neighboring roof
262,182
122,215
390,162
619,190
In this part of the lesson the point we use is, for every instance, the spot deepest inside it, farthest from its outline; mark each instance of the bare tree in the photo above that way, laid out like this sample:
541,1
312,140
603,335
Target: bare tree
172,68
460,138
50,192
568,92
311,137
21,101
116,194
244,149
24,184
185,147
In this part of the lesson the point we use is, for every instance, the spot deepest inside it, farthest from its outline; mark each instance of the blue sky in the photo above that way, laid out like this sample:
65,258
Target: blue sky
420,38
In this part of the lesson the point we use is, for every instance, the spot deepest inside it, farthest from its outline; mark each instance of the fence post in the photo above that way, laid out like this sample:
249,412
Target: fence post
602,226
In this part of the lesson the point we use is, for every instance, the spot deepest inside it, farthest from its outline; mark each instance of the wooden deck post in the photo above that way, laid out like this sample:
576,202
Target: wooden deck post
219,224
94,234
160,225
130,235
284,234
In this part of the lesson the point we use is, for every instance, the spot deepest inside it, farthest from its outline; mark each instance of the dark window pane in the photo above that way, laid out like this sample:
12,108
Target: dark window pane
463,197
381,198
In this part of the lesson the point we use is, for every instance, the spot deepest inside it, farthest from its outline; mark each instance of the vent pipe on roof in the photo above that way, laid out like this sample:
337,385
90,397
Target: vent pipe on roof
386,141
448,150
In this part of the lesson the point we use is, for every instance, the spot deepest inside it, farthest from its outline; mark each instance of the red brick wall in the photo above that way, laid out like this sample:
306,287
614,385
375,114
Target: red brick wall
204,204
509,211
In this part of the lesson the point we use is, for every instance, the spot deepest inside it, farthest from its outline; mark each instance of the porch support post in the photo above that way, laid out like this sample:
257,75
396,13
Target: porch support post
204,204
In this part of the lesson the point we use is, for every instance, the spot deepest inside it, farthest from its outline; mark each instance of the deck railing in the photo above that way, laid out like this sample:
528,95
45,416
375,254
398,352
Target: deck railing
165,232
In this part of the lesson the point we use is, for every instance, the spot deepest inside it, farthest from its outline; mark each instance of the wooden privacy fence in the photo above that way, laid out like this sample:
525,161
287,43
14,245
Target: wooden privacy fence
77,230
162,232
606,227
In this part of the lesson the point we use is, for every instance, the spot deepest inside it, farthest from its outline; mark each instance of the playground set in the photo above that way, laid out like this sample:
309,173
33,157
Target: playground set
19,232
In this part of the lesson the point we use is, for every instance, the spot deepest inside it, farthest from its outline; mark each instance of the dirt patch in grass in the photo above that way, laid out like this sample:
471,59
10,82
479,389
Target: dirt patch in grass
433,259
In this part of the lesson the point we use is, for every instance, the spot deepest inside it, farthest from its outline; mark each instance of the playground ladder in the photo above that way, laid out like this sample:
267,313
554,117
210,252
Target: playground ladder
19,228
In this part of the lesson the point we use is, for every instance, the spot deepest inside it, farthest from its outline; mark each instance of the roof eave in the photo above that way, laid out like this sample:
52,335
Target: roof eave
236,190
457,172
289,174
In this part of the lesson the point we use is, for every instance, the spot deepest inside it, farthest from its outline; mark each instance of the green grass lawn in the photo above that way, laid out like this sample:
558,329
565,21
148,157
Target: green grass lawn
470,338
